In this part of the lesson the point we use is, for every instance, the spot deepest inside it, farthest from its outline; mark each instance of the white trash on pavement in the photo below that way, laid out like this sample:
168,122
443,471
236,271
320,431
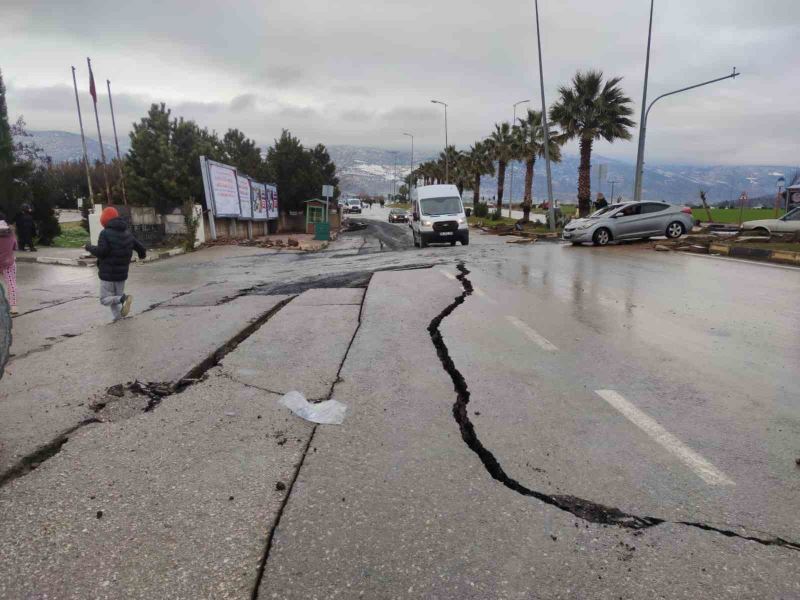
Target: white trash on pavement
328,412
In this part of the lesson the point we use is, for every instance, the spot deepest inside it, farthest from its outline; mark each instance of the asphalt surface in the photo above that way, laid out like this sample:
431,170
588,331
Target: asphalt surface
539,421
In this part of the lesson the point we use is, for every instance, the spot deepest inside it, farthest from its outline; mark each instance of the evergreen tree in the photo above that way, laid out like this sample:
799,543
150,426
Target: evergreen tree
242,153
289,166
6,154
189,143
151,167
324,169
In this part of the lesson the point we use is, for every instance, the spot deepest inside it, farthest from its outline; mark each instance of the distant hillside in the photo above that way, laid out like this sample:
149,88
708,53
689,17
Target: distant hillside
63,146
369,170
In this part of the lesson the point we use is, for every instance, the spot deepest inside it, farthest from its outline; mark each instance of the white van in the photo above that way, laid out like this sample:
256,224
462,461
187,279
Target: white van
437,216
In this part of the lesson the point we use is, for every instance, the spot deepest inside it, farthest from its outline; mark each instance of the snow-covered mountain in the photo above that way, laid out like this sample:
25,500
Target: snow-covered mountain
370,170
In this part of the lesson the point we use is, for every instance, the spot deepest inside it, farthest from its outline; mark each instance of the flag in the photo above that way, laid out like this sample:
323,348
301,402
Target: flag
92,90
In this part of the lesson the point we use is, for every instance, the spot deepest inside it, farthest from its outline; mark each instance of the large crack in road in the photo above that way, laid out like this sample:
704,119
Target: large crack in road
587,510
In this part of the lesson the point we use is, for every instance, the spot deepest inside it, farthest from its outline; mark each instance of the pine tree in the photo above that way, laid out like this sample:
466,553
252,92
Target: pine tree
289,166
242,153
6,154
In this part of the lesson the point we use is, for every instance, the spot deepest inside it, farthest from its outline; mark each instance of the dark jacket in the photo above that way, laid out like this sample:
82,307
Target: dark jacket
114,250
26,228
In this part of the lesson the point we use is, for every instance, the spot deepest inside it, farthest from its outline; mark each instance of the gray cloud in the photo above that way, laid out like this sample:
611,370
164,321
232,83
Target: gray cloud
355,72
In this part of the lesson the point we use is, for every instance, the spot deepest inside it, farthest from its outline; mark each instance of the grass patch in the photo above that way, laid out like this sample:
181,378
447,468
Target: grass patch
403,205
731,215
72,236
475,221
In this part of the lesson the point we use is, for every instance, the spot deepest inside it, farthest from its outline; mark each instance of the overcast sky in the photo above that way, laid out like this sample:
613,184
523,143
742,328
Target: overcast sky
363,72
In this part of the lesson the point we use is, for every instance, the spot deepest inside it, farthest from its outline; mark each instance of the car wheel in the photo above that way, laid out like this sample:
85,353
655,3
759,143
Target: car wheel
601,237
577,243
761,231
675,230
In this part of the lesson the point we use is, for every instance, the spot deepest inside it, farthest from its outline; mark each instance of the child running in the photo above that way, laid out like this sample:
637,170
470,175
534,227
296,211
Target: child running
114,249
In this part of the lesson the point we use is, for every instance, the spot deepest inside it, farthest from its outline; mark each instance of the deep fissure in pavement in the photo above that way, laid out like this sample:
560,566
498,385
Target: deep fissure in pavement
587,510
271,535
155,392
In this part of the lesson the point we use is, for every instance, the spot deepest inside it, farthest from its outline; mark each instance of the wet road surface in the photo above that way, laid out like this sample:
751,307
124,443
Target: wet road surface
625,424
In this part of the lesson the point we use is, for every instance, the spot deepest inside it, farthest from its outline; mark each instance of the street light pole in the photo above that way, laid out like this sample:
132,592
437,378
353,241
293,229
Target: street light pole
643,127
446,159
511,187
546,126
411,175
637,185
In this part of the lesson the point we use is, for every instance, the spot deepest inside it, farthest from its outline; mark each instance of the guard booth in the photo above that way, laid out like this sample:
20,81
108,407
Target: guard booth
315,218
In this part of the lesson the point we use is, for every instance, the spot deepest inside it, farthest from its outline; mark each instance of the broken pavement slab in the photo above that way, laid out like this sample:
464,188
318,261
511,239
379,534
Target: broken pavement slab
39,403
174,503
269,359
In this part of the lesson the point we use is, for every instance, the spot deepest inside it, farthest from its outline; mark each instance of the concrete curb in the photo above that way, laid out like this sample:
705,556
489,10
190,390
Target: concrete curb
91,262
776,256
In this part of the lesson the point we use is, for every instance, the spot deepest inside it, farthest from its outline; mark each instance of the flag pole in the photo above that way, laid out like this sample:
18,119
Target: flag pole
93,92
116,143
83,139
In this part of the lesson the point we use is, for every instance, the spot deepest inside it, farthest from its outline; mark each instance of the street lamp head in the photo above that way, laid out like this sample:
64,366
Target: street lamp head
521,102
781,181
408,134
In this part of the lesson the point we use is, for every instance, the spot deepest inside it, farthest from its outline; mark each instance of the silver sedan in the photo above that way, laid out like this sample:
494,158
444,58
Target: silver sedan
629,221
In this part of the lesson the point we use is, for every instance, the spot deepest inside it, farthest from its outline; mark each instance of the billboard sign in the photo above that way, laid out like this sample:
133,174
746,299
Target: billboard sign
224,189
272,202
259,203
245,200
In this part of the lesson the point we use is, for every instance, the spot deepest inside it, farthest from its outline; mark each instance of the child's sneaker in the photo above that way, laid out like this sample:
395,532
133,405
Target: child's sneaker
127,299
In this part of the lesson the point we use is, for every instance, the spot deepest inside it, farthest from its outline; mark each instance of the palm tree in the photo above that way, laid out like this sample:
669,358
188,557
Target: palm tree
503,149
478,163
590,110
529,134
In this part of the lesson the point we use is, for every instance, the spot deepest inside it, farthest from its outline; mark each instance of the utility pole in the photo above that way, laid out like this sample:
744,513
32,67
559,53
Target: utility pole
546,127
411,174
643,127
637,185
511,187
446,159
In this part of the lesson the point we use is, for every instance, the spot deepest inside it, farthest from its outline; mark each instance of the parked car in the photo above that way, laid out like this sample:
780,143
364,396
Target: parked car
352,205
438,216
398,215
788,223
628,221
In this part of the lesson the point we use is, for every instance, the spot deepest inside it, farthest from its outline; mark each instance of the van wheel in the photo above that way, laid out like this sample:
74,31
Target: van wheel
601,237
465,241
422,242
414,237
453,243
675,230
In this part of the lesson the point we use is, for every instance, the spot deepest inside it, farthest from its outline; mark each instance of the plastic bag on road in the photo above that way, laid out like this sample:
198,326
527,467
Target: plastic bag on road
328,412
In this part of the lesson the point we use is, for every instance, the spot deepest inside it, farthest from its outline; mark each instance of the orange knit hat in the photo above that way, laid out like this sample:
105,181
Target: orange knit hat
108,213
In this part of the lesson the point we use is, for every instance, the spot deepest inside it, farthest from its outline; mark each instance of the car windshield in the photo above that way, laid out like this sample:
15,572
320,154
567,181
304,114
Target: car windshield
397,211
603,211
792,215
433,207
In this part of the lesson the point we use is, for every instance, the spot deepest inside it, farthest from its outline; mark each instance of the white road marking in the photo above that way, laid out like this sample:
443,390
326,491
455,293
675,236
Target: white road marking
704,469
448,275
532,335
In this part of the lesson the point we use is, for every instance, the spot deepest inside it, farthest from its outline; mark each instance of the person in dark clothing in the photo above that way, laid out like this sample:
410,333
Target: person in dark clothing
601,201
26,228
114,249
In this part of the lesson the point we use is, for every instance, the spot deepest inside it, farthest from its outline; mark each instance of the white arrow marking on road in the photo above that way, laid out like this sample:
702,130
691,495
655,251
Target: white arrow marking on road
532,335
704,469
448,275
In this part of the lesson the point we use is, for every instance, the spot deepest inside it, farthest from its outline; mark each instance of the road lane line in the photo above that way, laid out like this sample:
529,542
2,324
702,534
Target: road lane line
704,469
448,275
532,335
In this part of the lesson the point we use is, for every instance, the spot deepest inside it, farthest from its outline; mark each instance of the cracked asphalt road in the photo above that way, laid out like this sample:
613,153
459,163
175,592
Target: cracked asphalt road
605,388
